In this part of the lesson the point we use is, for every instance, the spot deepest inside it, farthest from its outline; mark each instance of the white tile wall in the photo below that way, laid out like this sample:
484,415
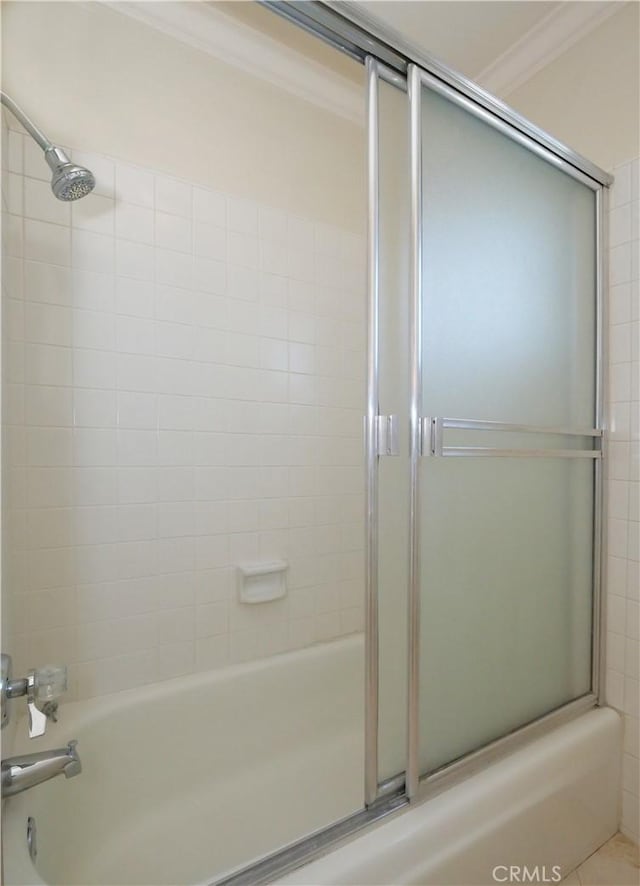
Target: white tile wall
184,386
623,592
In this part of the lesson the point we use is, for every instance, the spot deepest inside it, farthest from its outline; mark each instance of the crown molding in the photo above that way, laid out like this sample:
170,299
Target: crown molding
206,28
543,43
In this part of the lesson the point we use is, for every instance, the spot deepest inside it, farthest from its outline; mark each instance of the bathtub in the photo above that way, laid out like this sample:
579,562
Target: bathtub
186,780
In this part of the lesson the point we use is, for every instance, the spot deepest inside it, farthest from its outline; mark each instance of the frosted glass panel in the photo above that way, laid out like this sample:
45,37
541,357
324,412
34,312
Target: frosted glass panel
508,336
509,278
506,596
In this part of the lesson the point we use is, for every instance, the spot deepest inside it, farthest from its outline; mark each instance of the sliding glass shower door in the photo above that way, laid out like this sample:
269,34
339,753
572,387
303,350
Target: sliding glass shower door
504,449
487,443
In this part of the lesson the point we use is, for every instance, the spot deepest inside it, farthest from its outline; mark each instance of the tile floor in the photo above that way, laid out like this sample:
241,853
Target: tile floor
617,863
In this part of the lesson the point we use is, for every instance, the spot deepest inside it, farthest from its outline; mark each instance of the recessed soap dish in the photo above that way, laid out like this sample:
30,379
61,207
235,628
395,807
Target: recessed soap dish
262,582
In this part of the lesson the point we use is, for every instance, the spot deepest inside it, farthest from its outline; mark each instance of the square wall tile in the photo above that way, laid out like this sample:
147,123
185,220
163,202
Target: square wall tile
134,185
172,196
45,242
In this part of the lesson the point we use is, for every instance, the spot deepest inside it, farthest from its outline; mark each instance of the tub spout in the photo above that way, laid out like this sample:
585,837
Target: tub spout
20,773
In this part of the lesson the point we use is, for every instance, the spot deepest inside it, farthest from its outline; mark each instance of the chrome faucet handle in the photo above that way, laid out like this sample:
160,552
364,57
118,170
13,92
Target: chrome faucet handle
45,684
37,718
42,687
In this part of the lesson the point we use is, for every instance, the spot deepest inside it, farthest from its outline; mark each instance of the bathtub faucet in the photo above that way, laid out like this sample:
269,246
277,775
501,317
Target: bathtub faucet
20,773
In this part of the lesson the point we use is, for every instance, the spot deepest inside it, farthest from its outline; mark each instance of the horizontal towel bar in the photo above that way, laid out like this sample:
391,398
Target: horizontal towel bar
432,439
457,451
469,424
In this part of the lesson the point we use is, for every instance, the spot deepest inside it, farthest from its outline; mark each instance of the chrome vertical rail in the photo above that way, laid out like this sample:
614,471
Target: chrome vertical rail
415,406
371,444
601,465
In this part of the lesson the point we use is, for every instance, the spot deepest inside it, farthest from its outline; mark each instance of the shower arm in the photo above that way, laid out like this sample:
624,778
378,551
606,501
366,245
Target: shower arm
28,124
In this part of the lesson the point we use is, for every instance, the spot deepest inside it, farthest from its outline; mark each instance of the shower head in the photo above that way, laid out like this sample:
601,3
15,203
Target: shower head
68,182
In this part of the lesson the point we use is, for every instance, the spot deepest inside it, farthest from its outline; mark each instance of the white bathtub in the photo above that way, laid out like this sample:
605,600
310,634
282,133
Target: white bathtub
185,780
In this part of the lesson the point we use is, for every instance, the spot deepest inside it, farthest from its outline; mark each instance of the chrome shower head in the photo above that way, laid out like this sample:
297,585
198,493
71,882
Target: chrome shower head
68,182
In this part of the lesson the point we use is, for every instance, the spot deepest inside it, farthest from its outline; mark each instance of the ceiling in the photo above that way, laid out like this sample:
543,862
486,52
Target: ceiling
468,35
